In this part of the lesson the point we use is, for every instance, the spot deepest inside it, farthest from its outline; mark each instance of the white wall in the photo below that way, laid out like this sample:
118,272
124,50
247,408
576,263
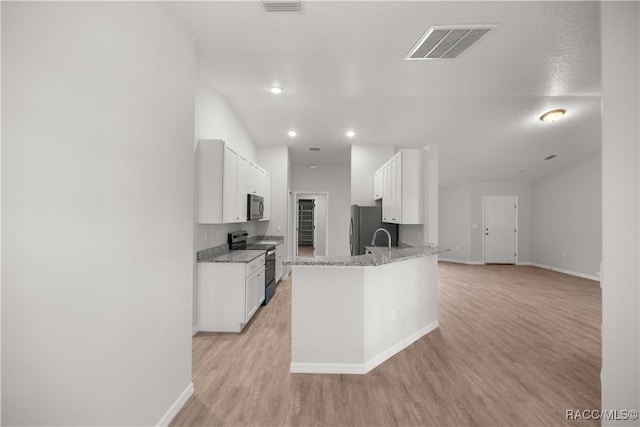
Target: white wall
511,188
1,236
461,206
333,179
431,193
215,118
97,212
291,214
275,161
620,211
365,160
412,234
455,221
566,218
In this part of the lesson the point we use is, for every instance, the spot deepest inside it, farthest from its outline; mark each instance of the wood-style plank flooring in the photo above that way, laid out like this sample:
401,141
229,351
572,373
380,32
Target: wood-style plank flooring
517,345
307,251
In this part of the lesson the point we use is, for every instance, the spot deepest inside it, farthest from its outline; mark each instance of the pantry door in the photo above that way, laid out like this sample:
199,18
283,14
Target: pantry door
500,229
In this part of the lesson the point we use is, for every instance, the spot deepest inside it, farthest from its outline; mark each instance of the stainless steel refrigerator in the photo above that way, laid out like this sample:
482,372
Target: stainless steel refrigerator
364,222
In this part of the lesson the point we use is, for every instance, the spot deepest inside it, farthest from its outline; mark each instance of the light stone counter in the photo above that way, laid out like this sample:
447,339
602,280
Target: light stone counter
380,257
223,254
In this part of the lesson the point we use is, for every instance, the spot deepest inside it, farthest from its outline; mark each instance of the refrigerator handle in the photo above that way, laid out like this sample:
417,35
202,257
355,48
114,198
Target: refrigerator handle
351,237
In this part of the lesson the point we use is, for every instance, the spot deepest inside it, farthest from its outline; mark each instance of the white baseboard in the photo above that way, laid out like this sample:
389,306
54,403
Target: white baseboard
535,264
361,368
195,330
175,408
382,357
562,270
459,261
327,368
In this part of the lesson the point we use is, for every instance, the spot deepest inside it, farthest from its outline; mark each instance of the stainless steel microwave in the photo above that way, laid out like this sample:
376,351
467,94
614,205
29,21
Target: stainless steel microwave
255,207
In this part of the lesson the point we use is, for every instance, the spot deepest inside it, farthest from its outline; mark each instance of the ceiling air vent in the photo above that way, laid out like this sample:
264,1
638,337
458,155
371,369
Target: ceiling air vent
314,149
281,6
447,42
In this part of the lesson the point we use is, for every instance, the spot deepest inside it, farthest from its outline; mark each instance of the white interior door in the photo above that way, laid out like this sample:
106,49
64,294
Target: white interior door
290,227
500,229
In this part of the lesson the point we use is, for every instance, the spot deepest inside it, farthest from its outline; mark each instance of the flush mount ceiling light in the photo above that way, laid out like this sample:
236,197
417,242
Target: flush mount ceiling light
313,167
552,116
275,90
292,133
350,134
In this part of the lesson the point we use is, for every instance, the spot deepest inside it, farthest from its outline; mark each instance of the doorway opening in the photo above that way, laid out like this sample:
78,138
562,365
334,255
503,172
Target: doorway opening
500,229
312,227
306,227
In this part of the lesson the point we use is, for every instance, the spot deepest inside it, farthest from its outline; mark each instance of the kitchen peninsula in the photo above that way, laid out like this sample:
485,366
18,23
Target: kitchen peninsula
351,313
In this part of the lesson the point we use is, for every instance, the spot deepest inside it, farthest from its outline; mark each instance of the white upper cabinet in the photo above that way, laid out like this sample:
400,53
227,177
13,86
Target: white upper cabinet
225,178
265,192
386,191
402,187
378,184
230,191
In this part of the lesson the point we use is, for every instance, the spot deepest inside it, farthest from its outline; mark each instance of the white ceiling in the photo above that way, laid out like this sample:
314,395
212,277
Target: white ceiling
341,65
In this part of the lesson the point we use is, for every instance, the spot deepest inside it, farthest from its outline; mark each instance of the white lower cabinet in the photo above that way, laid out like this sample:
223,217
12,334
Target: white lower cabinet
229,294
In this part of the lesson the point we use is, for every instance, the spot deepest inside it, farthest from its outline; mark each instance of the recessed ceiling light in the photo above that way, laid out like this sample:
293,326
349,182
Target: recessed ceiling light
276,90
313,167
351,134
521,170
552,116
292,133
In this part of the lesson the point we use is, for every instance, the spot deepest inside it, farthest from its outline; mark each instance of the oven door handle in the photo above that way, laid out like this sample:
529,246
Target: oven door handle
271,252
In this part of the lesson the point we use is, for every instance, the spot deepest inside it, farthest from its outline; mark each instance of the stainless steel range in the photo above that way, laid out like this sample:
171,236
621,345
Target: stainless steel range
238,240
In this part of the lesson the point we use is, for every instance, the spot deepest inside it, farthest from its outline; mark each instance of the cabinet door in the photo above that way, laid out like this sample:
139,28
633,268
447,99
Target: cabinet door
230,203
255,180
245,176
386,191
265,192
396,215
254,293
392,195
377,185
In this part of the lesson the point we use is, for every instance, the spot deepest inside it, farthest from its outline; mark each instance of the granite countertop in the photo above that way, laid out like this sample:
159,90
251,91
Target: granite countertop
385,249
379,258
277,240
223,254
238,256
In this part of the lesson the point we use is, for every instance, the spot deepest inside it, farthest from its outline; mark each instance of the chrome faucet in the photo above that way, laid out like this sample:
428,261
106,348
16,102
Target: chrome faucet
373,240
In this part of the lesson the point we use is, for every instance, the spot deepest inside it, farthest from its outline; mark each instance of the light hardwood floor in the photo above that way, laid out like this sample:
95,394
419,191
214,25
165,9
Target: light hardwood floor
517,345
307,251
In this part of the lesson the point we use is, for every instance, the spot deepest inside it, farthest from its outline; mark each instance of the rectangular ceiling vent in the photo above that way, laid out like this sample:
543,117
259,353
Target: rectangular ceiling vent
447,42
281,6
314,149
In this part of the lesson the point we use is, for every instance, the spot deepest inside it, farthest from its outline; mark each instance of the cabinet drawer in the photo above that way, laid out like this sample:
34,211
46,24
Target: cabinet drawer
255,265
